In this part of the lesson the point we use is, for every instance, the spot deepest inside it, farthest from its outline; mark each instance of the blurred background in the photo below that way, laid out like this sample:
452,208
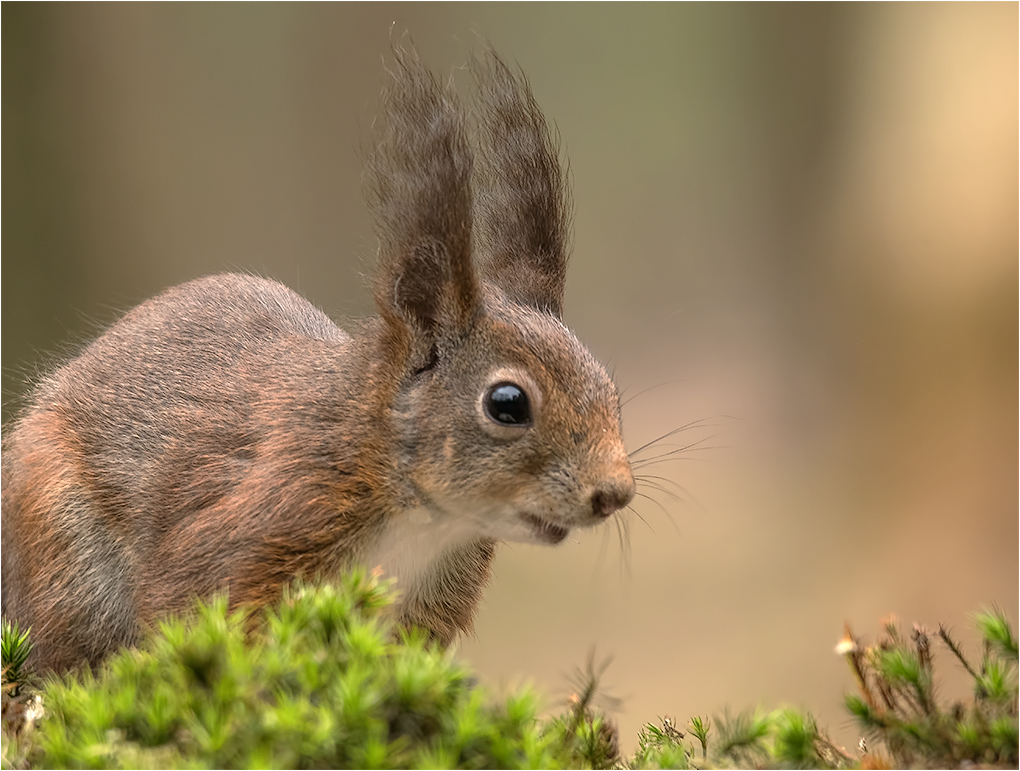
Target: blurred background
797,223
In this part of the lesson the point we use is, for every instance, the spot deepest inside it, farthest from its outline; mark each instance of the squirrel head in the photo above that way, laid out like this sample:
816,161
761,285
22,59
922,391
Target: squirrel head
502,417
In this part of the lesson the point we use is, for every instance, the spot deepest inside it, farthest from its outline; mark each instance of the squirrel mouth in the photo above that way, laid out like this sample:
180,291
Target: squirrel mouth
545,531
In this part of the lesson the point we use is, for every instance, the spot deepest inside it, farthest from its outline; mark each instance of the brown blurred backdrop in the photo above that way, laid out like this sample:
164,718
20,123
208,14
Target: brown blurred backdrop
797,221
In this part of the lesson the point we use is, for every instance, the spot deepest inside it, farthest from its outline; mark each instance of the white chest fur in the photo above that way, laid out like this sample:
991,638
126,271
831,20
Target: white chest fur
413,541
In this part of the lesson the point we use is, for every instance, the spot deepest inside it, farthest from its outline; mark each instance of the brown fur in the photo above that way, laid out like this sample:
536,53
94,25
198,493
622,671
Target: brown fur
227,435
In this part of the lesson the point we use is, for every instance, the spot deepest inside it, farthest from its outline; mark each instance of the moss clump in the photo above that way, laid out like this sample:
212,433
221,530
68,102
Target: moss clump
322,683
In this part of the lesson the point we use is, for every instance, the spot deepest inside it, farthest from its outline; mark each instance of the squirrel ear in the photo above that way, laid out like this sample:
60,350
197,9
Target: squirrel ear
521,197
418,186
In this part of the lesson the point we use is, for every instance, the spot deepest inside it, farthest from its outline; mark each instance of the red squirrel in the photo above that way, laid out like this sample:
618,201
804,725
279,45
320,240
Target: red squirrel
227,435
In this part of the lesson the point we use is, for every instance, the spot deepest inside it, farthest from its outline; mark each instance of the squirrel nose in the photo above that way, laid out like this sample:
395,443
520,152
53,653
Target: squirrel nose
612,498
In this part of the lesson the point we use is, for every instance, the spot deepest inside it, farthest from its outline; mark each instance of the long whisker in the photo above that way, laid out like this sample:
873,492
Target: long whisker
699,423
673,445
623,534
646,390
600,560
657,503
673,482
660,488
683,448
691,459
685,495
636,514
669,516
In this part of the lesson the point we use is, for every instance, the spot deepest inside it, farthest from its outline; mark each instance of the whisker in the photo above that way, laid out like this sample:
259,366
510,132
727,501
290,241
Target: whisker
657,503
699,423
663,479
646,390
600,560
682,448
623,535
660,488
665,445
685,496
636,514
672,522
655,461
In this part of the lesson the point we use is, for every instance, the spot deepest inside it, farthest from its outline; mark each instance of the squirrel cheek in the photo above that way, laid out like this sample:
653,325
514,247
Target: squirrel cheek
448,447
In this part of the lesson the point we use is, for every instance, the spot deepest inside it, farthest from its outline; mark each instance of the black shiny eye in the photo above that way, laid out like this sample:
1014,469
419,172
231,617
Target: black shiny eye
507,404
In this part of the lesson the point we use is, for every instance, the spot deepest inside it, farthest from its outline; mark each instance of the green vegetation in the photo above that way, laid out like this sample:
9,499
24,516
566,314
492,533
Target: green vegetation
14,650
897,704
783,738
325,681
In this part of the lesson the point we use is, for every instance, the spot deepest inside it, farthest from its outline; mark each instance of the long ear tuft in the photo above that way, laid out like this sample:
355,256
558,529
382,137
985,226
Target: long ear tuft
521,198
418,185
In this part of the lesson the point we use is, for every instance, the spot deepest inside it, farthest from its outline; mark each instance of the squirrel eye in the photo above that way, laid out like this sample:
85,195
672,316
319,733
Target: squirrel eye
507,404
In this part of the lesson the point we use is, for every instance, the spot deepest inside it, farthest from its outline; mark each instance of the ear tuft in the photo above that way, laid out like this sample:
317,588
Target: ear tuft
418,184
521,198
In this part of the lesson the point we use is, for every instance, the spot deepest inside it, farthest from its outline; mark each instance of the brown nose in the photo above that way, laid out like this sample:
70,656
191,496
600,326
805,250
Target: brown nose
612,498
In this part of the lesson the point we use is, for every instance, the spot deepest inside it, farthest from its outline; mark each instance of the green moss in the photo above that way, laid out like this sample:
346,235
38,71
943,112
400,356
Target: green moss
325,680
